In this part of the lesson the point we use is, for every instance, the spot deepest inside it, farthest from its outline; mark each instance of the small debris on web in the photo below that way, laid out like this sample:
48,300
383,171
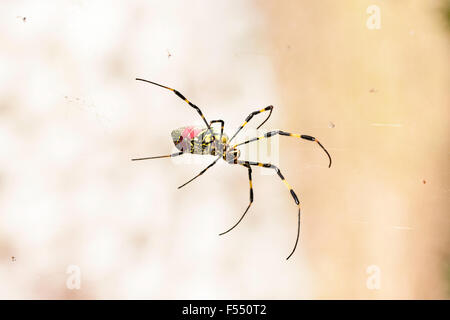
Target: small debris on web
424,181
373,90
331,125
13,258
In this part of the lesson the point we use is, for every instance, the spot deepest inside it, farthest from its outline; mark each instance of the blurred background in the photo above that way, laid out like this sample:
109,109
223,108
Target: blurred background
371,83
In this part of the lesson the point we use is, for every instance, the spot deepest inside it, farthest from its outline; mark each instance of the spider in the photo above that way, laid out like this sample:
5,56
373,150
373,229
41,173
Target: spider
207,141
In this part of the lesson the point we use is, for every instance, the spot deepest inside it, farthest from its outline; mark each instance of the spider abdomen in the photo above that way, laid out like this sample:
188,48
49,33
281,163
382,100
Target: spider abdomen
196,140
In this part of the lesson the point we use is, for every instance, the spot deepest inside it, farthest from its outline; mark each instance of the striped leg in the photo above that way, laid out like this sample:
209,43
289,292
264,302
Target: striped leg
219,145
272,133
250,116
221,127
294,196
186,100
251,199
201,172
157,157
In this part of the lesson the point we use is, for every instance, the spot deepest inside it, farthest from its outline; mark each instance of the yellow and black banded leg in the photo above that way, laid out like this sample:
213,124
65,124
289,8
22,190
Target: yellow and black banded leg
221,127
294,196
219,145
250,116
184,99
251,199
273,133
201,172
157,157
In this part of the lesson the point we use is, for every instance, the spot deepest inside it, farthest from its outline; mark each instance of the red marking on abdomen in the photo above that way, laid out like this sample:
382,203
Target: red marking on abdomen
190,132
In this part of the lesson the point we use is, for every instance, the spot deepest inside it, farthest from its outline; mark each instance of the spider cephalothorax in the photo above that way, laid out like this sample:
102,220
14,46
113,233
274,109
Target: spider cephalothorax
231,154
208,141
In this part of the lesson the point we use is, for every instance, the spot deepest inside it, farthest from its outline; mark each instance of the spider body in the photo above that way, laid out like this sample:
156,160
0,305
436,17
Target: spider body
197,140
209,141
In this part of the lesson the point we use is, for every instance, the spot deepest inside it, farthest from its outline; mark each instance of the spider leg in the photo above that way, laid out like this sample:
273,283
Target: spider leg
221,128
185,100
294,196
273,133
251,199
250,116
201,172
221,133
157,157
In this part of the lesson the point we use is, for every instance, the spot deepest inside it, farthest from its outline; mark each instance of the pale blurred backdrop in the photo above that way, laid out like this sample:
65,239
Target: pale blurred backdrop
375,225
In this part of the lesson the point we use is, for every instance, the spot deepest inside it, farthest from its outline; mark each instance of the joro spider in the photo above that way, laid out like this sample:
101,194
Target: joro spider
207,141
